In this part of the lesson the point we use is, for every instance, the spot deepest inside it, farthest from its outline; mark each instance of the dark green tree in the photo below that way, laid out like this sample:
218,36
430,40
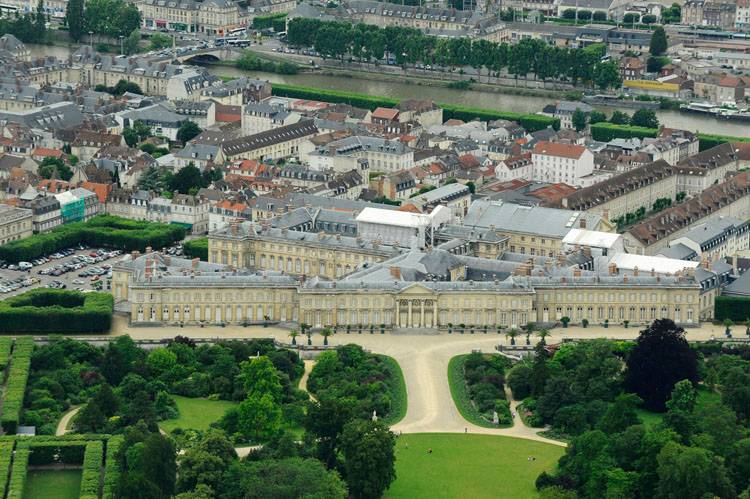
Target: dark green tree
187,131
597,117
645,118
692,472
54,166
369,458
74,19
660,358
619,118
579,120
187,178
658,44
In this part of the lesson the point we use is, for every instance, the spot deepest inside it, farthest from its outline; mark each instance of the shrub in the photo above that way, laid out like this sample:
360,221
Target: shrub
15,387
56,451
604,132
55,310
5,345
103,230
92,464
706,141
476,383
197,248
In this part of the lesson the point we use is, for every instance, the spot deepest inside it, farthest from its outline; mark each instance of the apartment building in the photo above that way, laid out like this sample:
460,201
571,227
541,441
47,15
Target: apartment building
260,116
555,162
280,142
381,155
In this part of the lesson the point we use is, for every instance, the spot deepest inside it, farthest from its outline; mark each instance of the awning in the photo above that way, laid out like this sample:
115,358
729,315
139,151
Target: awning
183,224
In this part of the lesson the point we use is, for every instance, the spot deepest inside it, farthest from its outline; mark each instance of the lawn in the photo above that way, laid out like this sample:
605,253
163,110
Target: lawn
52,484
475,466
397,387
196,413
705,397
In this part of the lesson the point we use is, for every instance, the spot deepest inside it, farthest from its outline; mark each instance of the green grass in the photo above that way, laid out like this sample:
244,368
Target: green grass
57,484
397,388
196,413
705,397
471,466
460,394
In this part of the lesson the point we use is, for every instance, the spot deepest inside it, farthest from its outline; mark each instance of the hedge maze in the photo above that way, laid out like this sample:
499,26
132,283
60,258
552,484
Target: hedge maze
95,455
15,378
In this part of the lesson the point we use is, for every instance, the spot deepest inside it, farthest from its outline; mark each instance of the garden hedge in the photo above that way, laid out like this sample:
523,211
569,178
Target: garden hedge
56,310
103,230
197,248
604,132
6,452
735,308
531,122
92,468
56,451
112,466
706,141
18,473
16,384
5,345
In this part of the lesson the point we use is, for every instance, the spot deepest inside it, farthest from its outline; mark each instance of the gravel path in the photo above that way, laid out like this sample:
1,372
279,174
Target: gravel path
62,426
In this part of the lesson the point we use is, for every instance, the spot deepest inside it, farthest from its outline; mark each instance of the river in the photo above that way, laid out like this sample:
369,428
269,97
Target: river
473,98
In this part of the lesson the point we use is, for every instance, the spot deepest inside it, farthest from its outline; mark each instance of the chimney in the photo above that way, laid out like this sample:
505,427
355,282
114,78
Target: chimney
577,272
149,268
134,255
194,263
635,271
233,229
653,272
612,269
395,272
705,263
321,235
734,265
148,249
625,278
582,222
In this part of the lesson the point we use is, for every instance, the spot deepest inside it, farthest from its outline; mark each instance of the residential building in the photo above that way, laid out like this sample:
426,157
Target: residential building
717,238
456,197
556,162
709,13
280,142
381,155
260,116
515,167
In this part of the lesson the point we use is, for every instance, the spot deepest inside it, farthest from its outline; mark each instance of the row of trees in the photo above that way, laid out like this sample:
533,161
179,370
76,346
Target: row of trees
111,18
187,180
29,28
367,43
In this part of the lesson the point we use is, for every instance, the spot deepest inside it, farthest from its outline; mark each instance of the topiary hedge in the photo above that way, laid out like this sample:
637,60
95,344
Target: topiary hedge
56,310
56,451
92,469
735,308
531,122
706,141
604,132
6,451
5,346
112,467
18,473
15,387
104,230
197,248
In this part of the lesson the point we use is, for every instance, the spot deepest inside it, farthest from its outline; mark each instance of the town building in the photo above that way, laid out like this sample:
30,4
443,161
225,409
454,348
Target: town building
15,223
557,162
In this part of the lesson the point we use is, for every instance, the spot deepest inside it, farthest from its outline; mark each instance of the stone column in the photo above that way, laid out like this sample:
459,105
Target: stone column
398,313
421,306
409,323
435,322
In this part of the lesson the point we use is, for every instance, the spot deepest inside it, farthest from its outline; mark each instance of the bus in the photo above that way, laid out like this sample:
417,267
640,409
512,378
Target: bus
238,43
237,31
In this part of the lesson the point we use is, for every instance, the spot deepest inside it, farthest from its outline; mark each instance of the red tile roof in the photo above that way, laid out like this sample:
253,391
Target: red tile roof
560,150
385,113
102,190
46,152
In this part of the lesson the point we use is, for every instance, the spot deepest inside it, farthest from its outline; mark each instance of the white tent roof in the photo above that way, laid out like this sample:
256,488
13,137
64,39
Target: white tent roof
593,238
393,217
659,264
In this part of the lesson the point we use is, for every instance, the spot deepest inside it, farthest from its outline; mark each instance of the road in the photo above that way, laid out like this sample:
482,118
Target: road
62,426
424,362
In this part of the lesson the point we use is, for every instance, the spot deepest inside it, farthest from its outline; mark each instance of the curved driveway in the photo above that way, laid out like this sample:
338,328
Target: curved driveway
424,362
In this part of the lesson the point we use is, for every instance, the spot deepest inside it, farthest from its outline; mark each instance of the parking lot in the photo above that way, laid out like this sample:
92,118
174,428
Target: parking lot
81,269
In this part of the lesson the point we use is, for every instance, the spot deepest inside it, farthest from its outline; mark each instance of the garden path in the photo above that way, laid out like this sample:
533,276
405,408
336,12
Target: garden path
62,426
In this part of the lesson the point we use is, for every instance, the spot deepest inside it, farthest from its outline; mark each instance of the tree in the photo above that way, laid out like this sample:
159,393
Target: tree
691,472
661,357
369,457
149,468
735,392
131,42
282,479
187,131
120,358
259,377
74,19
619,118
161,360
597,117
54,166
90,419
654,64
259,417
645,118
620,414
325,421
579,120
683,397
198,467
658,43
325,332
159,41
187,178
607,75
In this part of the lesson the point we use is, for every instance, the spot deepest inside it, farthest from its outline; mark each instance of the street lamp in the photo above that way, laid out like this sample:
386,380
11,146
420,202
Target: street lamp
91,40
122,45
